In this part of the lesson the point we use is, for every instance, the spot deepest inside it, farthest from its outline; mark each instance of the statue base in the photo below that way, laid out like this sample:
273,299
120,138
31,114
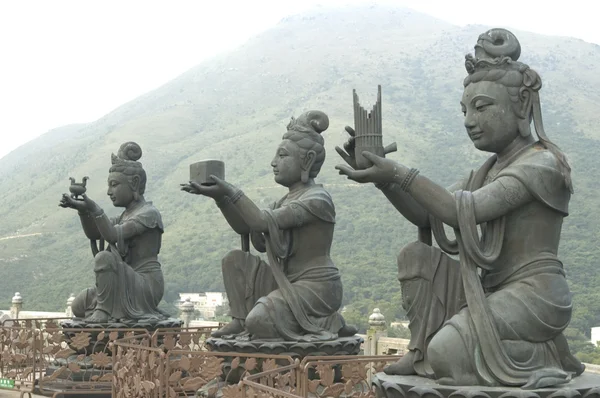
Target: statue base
587,385
88,362
149,324
294,349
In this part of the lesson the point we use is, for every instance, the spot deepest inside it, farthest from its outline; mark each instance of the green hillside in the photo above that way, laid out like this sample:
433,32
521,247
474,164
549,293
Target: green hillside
235,108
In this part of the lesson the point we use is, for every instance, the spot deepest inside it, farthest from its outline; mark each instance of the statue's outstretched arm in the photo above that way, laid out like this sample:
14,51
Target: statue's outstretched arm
89,226
233,217
252,216
492,201
287,217
406,205
110,232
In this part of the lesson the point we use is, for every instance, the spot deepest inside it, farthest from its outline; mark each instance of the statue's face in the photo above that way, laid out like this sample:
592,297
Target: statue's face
287,165
119,189
489,117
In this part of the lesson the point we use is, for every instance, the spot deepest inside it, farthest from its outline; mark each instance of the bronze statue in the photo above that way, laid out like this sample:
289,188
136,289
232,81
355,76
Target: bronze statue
497,316
129,279
296,295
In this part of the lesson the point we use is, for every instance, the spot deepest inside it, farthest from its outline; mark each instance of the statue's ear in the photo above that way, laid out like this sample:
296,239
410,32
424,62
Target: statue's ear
307,164
526,97
309,160
525,111
135,183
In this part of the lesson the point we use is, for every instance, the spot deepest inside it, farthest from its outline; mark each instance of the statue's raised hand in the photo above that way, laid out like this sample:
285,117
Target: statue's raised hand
348,152
217,191
85,205
383,170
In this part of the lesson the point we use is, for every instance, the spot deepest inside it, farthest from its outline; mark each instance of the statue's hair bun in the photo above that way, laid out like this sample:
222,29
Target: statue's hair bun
130,151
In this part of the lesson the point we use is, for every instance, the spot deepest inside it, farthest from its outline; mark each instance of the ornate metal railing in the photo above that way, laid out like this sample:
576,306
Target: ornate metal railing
280,382
176,364
39,355
336,376
138,369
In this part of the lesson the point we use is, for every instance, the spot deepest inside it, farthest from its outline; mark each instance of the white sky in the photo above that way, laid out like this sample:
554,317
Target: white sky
72,61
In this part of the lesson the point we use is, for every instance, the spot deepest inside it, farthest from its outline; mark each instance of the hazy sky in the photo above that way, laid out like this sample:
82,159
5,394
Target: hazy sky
72,61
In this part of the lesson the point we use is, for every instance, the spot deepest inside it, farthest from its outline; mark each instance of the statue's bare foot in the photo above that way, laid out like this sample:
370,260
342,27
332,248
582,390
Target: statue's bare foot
98,316
236,326
404,366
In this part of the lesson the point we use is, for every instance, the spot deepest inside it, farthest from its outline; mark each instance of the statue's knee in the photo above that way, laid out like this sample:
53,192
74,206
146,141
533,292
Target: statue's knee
445,349
258,322
233,259
104,261
82,302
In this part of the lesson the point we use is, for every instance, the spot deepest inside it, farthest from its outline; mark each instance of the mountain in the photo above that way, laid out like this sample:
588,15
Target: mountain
235,108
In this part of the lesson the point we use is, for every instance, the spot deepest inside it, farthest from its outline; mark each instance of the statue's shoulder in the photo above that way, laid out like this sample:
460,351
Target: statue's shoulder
537,155
317,192
149,216
317,201
538,169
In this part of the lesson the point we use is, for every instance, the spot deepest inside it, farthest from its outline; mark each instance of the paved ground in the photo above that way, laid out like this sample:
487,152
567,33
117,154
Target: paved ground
14,394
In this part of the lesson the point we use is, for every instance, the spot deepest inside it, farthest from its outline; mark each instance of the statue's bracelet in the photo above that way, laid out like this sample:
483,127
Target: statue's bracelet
236,196
408,179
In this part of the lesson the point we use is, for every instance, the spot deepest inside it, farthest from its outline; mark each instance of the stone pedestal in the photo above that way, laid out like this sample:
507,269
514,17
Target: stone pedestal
585,386
295,349
89,362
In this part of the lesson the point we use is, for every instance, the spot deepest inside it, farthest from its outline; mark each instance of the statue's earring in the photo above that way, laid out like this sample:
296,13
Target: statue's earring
304,175
524,126
136,196
524,123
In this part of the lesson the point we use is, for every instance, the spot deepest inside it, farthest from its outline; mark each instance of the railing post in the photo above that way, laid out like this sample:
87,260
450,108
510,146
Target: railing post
17,305
69,311
187,312
376,330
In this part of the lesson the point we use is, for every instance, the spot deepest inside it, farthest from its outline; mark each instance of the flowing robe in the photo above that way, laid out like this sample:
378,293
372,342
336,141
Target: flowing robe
518,300
299,286
129,279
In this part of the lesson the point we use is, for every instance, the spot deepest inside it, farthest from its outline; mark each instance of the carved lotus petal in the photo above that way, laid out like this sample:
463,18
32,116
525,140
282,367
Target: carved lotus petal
469,393
519,394
593,393
392,390
423,392
565,393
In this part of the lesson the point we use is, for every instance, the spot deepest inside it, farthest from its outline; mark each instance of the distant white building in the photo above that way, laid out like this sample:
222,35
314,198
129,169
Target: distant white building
595,335
205,303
